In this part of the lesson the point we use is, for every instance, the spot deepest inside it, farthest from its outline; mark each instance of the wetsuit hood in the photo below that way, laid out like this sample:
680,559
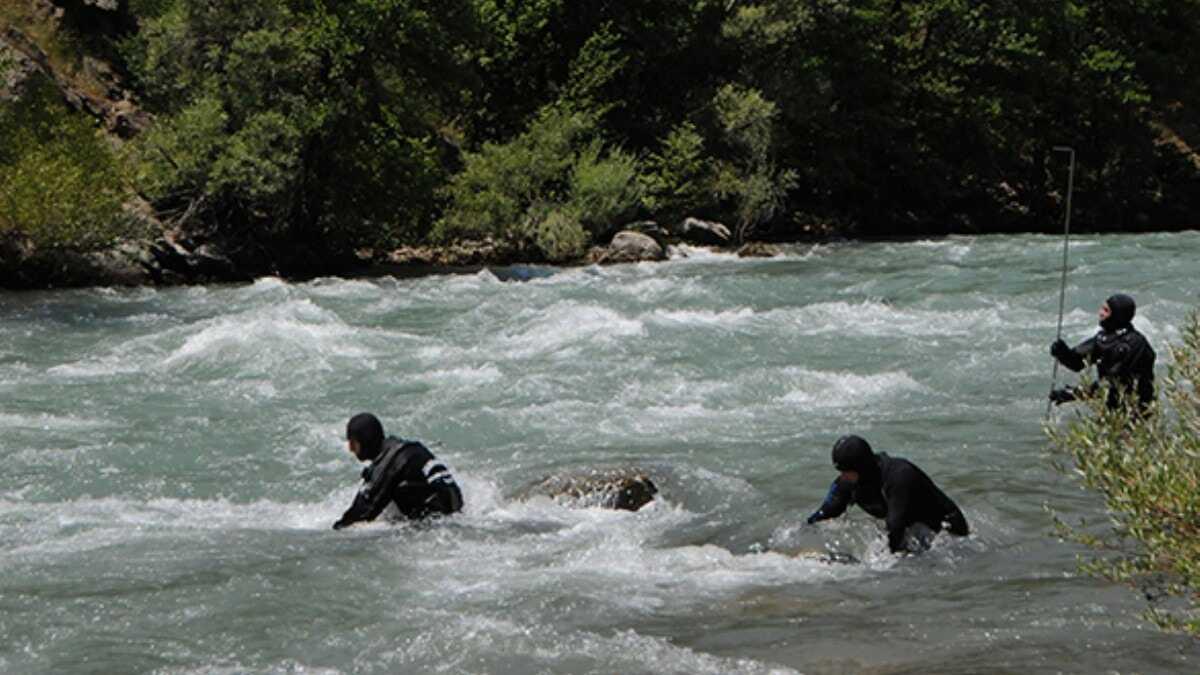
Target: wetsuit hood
368,431
853,453
1122,308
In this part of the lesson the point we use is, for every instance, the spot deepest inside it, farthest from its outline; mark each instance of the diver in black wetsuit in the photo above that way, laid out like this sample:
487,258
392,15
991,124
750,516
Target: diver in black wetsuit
1123,357
891,488
401,472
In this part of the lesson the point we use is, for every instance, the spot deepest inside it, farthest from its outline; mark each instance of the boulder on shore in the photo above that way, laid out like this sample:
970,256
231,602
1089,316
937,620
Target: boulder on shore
627,246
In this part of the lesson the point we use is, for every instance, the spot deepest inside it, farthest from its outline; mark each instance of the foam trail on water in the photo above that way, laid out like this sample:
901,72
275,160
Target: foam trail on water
819,389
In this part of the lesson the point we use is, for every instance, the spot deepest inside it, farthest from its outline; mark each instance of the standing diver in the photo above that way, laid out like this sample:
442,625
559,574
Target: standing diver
1122,356
401,472
892,488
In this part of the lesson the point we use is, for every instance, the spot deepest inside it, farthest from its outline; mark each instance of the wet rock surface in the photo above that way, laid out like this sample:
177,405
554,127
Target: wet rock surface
626,489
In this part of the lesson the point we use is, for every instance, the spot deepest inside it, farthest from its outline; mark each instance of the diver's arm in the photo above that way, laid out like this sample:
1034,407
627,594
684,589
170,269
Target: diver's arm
1073,358
953,517
836,501
372,497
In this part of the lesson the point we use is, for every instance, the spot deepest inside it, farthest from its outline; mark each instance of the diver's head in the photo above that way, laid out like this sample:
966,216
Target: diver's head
364,436
853,457
1117,312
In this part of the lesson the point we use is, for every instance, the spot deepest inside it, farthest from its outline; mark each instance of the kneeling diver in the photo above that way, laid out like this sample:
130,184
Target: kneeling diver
886,487
401,472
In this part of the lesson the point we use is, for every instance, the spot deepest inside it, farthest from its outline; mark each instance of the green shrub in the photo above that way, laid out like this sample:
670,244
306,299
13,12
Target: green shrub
261,161
1148,472
557,165
604,190
498,185
61,186
559,236
174,157
678,179
750,177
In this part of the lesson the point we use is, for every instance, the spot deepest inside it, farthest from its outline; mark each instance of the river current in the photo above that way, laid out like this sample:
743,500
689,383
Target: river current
173,460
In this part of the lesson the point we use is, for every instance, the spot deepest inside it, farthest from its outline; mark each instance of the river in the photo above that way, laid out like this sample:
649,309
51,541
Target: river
174,458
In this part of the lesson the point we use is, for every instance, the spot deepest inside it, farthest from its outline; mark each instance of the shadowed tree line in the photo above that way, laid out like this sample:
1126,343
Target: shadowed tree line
549,124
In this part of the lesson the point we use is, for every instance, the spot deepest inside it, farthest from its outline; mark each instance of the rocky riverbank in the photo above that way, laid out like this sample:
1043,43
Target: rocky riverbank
177,258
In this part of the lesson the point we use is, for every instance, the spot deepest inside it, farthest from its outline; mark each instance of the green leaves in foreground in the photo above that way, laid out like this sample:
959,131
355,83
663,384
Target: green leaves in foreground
1148,473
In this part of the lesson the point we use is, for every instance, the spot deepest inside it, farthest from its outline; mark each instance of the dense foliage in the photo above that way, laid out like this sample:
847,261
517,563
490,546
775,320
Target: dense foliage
376,122
60,183
1148,472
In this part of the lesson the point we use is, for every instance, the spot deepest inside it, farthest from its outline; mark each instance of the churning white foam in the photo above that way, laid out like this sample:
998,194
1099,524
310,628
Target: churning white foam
826,389
878,319
705,318
462,376
569,324
262,339
50,422
464,636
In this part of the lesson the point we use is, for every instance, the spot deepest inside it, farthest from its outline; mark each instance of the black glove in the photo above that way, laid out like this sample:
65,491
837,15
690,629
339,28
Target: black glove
813,518
1060,396
339,525
1059,349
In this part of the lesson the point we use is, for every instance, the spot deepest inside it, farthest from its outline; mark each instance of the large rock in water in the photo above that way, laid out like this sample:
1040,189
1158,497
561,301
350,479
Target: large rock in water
627,246
623,489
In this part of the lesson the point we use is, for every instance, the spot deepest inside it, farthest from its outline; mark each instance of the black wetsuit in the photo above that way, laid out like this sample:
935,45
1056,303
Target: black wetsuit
1123,358
900,493
407,474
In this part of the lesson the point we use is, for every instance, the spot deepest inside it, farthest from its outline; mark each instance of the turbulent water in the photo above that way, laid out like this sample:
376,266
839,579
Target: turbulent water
173,460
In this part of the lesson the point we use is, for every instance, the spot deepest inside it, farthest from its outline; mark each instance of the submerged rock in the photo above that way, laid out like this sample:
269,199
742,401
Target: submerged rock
621,488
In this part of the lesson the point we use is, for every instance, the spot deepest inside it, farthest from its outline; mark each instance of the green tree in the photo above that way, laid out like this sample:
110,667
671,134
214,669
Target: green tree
646,65
750,176
555,182
1149,477
679,179
302,119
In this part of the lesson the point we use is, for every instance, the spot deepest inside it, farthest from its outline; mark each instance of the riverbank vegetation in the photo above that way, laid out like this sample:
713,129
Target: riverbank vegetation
1148,473
376,123
61,185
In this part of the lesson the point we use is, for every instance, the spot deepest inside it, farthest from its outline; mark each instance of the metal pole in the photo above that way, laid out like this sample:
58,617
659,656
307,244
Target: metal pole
1062,293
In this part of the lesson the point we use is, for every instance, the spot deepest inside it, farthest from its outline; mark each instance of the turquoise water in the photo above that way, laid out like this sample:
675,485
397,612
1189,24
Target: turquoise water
173,461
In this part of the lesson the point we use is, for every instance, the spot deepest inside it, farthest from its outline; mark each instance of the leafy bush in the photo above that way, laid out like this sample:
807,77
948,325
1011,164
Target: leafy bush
499,184
557,166
604,189
678,179
174,156
1148,472
61,186
559,236
750,177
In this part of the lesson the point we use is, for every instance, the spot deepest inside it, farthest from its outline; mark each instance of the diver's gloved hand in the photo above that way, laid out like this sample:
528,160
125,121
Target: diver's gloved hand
339,525
813,518
1060,396
1059,349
